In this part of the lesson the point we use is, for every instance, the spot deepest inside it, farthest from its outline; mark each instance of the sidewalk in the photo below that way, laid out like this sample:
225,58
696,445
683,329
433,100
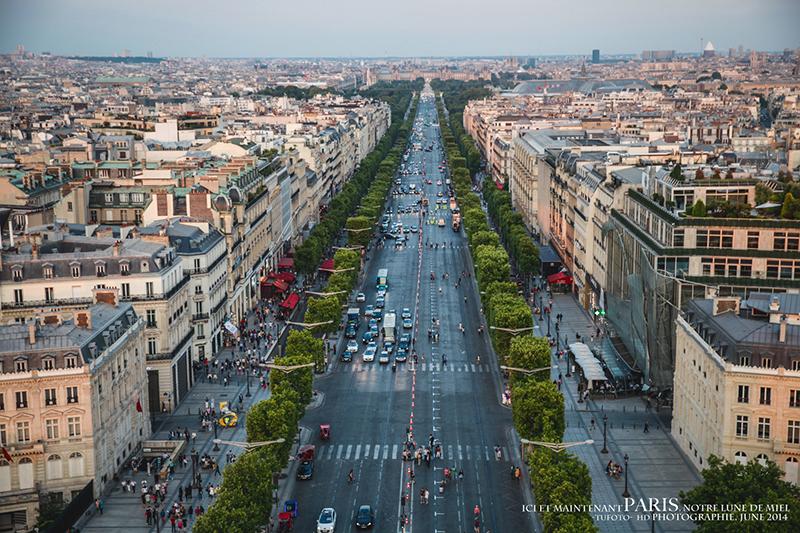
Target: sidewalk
656,466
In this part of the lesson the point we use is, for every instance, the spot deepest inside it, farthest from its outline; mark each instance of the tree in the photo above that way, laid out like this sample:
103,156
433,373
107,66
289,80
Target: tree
275,418
676,173
485,238
529,353
538,411
50,506
301,348
323,310
699,209
359,238
727,483
698,175
789,207
528,257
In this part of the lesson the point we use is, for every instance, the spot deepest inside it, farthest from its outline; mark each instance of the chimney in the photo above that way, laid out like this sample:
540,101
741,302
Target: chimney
32,330
105,232
775,306
83,319
782,334
116,248
109,295
35,251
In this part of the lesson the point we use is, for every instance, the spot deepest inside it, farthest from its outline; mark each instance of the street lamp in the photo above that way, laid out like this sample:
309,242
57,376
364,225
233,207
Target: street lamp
216,447
356,247
605,423
626,494
528,372
303,324
249,445
557,447
569,375
325,294
287,369
513,331
336,271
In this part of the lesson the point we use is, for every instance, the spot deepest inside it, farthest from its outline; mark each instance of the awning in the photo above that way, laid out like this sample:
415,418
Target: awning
327,265
272,274
592,370
768,205
560,277
286,262
286,276
280,285
291,252
291,301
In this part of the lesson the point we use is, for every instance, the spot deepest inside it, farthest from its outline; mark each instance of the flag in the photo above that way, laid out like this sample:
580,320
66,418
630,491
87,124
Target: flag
6,455
138,403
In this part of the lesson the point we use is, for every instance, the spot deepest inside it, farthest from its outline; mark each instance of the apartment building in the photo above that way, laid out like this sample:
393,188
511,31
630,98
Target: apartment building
737,380
68,411
51,269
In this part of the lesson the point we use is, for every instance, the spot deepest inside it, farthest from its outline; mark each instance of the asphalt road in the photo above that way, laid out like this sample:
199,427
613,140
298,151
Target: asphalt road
369,407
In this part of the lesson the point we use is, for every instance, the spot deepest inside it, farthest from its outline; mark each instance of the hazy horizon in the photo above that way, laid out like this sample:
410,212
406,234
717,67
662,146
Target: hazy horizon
360,29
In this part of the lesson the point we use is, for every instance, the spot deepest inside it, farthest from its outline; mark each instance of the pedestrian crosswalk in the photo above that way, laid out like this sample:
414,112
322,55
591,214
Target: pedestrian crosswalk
421,367
383,452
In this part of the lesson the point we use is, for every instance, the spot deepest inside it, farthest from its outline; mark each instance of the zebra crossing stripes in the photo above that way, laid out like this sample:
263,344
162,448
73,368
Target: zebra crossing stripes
383,452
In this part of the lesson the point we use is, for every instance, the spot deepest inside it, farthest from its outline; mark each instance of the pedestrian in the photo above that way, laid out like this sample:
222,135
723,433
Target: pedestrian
99,504
427,496
646,430
421,495
592,423
194,437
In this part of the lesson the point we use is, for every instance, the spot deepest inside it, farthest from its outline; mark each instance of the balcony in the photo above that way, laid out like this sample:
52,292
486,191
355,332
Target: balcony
168,356
204,270
197,317
155,296
60,302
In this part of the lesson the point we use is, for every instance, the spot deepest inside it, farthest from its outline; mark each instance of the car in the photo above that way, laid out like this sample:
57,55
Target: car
388,346
361,297
367,338
369,355
350,332
413,228
347,356
407,324
372,345
406,312
326,523
404,341
440,193
401,355
372,322
352,346
305,470
383,357
381,292
377,314
374,331
406,230
364,517
380,302
368,311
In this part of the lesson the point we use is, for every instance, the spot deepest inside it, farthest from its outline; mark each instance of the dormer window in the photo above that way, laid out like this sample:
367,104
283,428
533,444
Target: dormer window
100,268
48,362
145,266
124,268
70,361
47,271
21,364
16,273
75,268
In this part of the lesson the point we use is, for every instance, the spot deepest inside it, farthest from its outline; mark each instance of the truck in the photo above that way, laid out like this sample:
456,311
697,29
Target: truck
389,327
456,221
352,316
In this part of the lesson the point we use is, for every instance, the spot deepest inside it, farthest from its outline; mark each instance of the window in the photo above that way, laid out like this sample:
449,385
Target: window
69,206
17,274
125,269
794,398
49,363
72,394
752,240
50,396
783,241
714,238
794,432
198,307
744,360
197,264
21,365
149,288
100,269
3,435
137,197
52,428
54,468
678,238
763,428
741,425
126,290
74,426
70,361
765,396
23,432
109,197
151,318
766,362
796,365
47,272
124,198
123,215
2,403
151,346
92,215
200,331
49,293
18,299
76,271
198,289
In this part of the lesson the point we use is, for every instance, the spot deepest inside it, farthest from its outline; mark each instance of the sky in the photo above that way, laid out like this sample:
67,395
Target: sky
399,28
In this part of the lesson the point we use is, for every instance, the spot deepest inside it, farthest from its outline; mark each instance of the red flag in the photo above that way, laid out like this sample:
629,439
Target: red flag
6,455
138,403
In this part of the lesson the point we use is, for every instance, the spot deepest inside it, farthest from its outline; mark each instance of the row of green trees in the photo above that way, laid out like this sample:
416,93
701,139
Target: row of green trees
245,498
537,404
309,254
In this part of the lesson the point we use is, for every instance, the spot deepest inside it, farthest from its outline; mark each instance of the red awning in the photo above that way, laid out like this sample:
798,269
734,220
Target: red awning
280,285
561,277
291,301
327,265
286,262
286,276
272,274
291,252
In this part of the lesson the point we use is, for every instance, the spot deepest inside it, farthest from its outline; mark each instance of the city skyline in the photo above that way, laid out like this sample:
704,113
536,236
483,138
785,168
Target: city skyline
420,29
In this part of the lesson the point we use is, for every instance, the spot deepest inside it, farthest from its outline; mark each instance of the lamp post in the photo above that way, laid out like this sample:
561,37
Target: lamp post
557,447
548,324
249,445
216,446
569,374
626,494
248,383
526,371
158,524
605,423
325,294
513,331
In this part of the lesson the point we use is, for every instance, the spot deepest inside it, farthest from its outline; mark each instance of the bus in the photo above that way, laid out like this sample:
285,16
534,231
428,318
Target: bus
383,279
